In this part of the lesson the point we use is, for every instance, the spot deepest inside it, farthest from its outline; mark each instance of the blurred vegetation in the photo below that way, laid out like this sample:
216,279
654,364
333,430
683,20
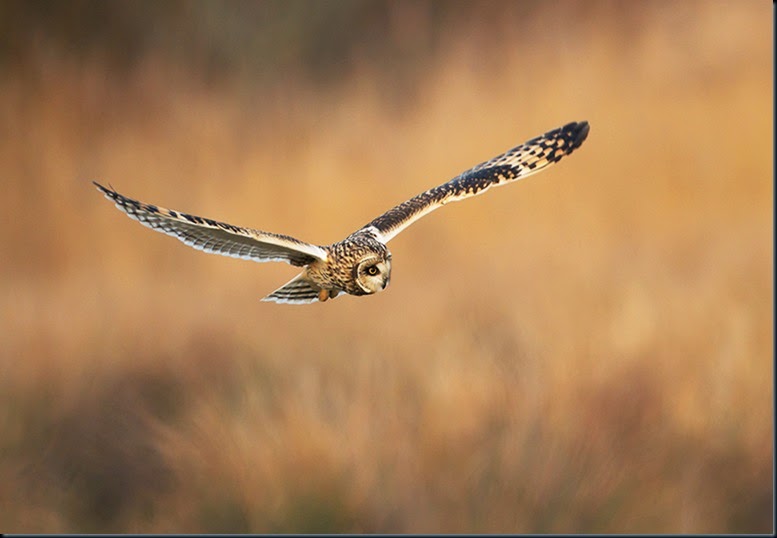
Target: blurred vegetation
255,40
590,351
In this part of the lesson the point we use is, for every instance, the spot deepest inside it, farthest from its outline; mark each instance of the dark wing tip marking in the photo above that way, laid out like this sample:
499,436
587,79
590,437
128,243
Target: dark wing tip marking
132,206
566,139
108,191
573,133
582,129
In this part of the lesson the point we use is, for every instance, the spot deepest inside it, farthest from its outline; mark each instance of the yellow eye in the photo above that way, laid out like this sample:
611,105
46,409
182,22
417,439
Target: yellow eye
372,270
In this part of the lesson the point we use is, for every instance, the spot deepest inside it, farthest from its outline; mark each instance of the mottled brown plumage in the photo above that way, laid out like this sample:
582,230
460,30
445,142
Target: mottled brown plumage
361,263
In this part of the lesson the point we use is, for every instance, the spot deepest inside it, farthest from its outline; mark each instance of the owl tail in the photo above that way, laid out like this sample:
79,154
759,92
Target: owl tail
298,290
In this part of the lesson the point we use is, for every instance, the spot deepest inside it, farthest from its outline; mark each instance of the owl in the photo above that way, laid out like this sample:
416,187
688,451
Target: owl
360,264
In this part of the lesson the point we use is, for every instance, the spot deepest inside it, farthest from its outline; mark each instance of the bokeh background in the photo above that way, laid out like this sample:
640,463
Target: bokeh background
590,350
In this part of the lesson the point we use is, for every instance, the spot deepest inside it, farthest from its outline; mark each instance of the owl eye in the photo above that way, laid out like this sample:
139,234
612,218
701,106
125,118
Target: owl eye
372,270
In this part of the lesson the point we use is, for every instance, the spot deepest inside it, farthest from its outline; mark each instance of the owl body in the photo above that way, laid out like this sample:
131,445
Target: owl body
360,264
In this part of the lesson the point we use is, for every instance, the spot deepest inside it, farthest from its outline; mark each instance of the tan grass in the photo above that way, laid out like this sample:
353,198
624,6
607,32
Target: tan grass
588,351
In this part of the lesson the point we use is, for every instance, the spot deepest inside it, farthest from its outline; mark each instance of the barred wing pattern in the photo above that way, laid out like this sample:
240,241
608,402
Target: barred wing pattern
360,264
517,163
217,237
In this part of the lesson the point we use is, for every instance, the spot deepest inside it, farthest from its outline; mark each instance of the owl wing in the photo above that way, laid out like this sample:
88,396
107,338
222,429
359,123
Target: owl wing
517,163
217,237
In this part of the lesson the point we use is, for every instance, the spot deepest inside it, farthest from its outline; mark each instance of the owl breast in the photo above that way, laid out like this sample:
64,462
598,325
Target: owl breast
340,270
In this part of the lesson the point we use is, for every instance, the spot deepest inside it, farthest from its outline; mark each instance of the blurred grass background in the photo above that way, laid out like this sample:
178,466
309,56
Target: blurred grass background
587,351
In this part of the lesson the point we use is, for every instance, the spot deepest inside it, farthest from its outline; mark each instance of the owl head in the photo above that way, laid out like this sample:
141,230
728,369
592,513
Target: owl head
373,273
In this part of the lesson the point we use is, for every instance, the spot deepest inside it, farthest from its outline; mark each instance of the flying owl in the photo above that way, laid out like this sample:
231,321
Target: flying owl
360,264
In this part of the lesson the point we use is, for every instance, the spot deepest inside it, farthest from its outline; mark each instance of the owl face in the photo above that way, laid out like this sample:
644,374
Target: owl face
373,273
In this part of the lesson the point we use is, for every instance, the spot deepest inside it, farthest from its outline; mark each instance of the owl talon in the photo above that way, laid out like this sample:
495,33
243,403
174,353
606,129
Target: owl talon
323,295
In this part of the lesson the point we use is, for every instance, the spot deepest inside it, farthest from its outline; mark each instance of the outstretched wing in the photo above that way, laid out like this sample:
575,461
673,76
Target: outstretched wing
217,237
518,163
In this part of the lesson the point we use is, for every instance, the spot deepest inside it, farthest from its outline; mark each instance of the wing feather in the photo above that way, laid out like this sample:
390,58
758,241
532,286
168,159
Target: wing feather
299,290
517,163
217,237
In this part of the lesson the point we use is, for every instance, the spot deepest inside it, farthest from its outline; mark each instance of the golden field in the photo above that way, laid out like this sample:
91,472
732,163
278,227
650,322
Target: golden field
586,351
